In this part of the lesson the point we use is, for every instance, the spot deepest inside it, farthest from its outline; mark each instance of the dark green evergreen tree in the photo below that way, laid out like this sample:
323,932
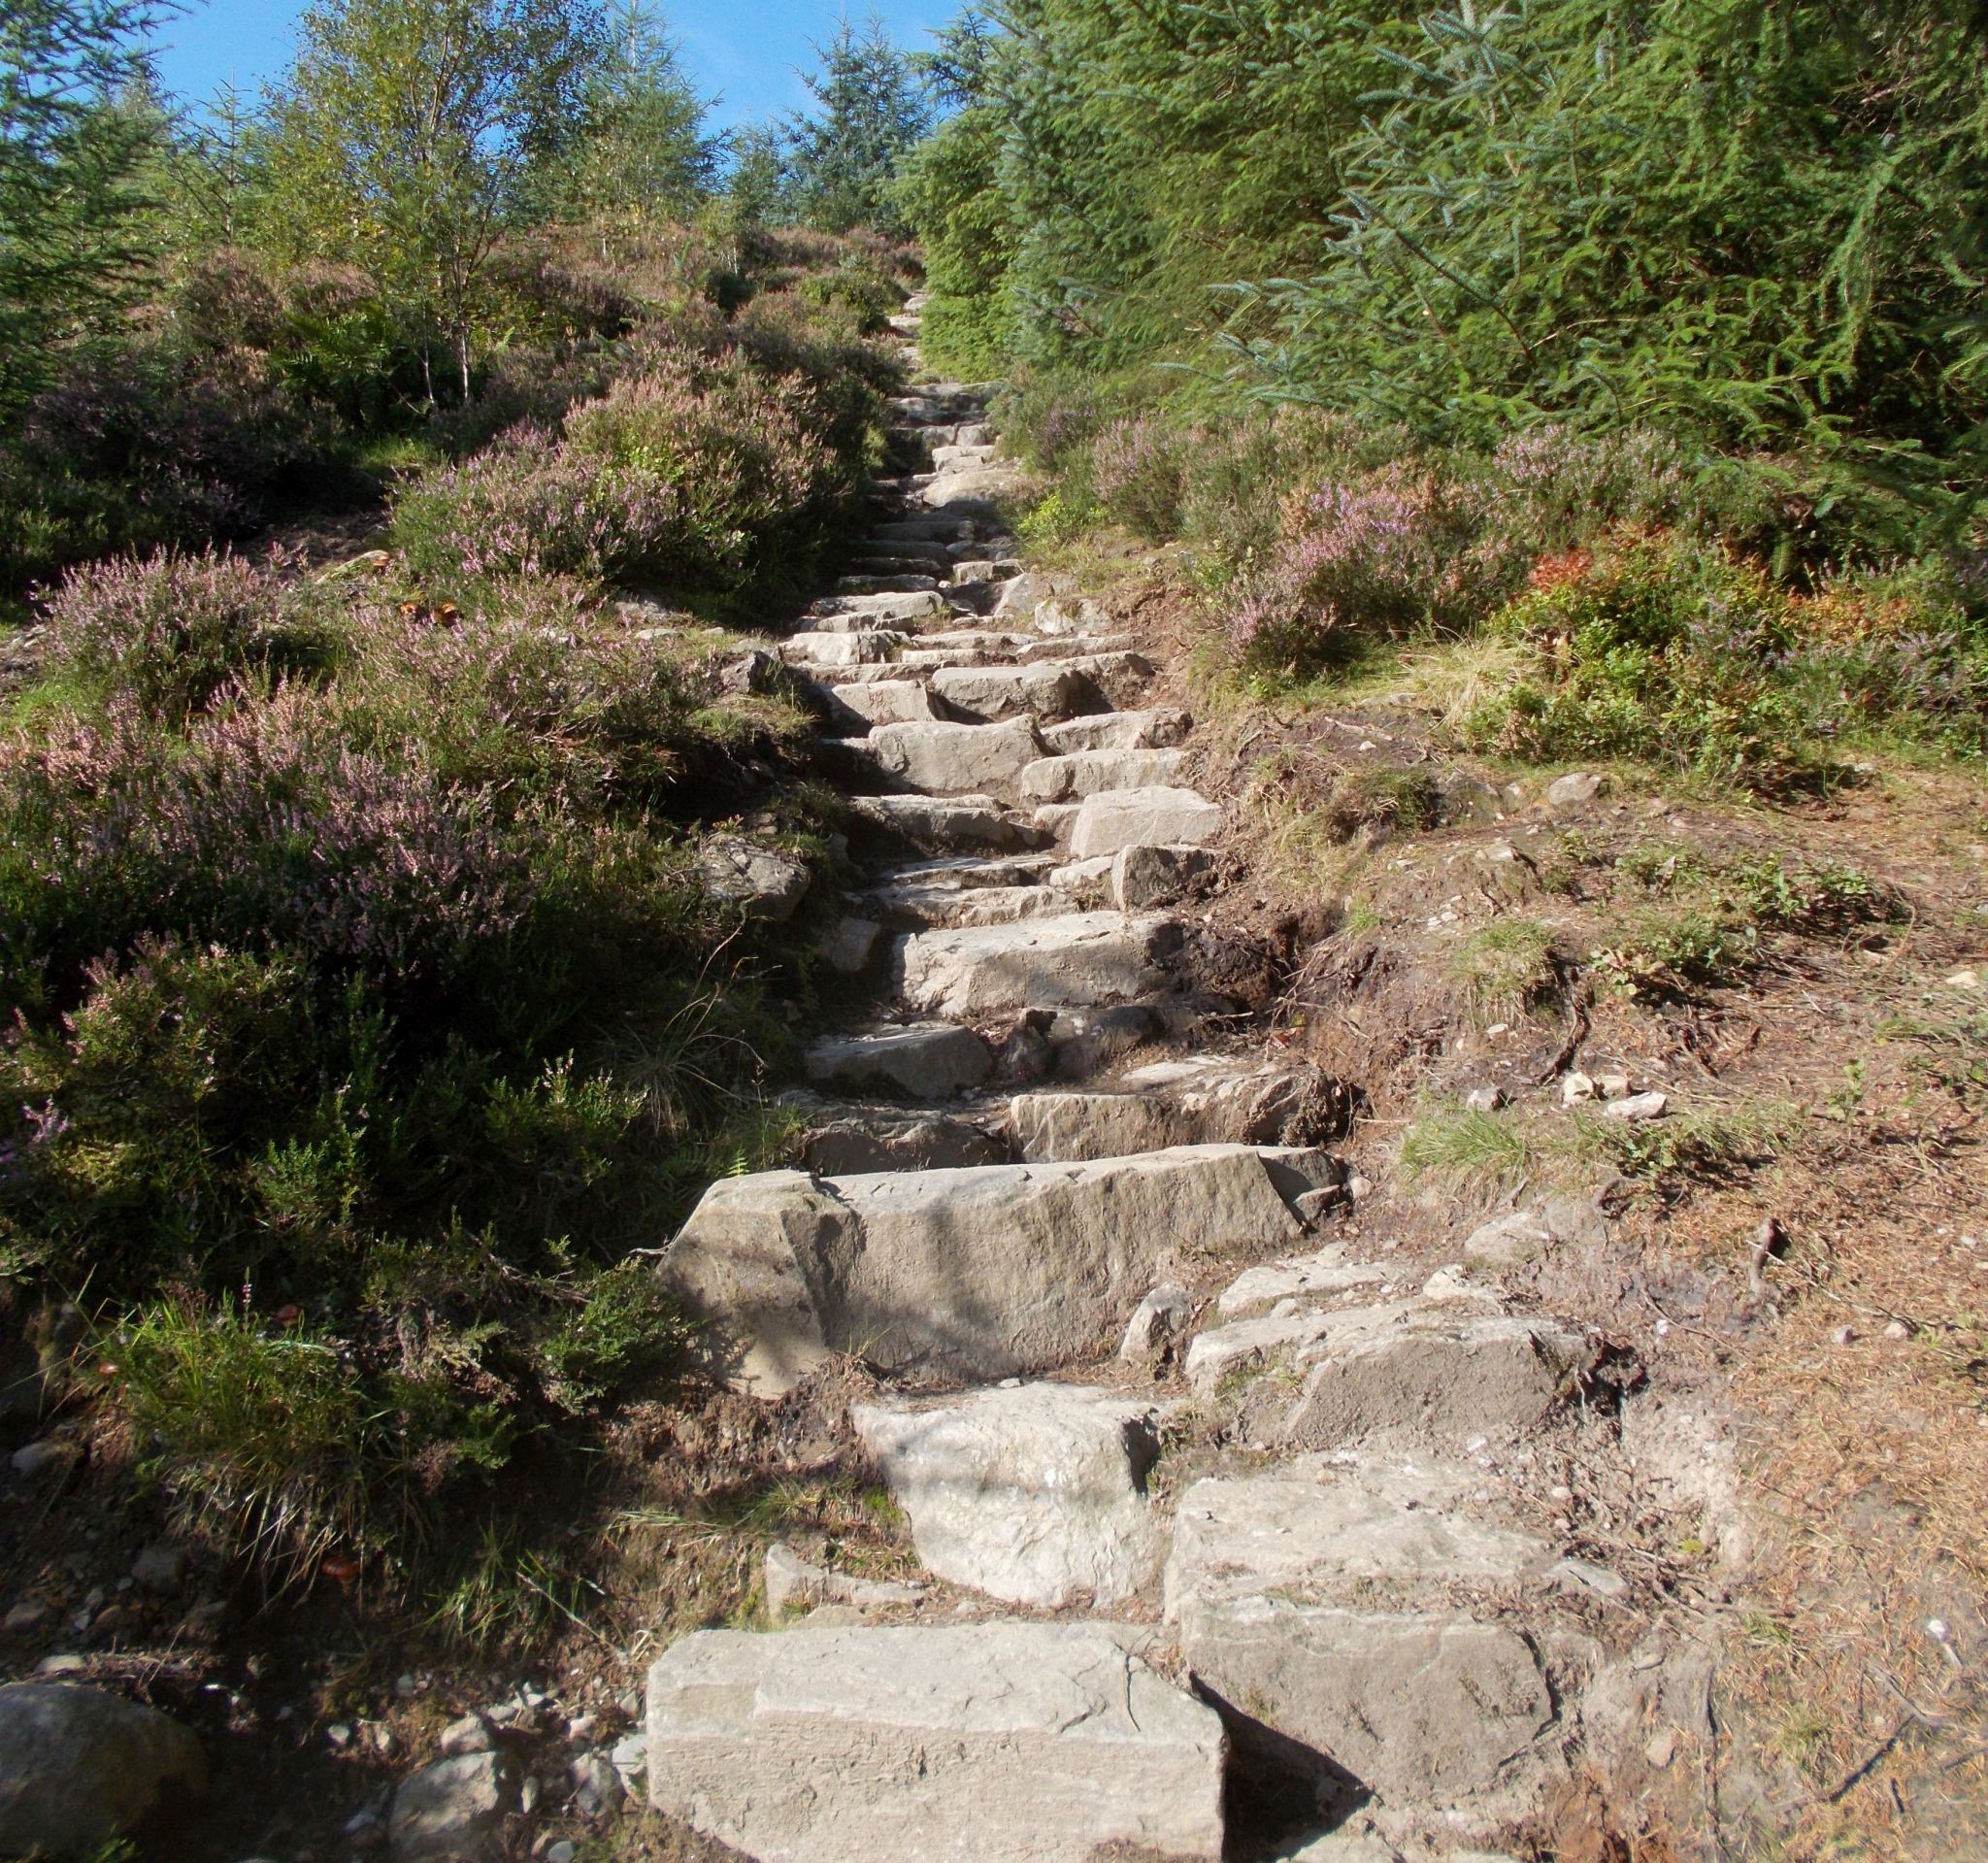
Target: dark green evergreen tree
871,109
78,143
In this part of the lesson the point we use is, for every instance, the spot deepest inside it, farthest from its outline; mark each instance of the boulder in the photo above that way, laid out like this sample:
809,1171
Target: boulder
1067,959
1022,596
1034,1494
1574,791
949,759
767,882
1085,773
80,1768
1048,690
1152,817
929,1061
980,1273
1558,1221
979,490
1004,1742
454,1808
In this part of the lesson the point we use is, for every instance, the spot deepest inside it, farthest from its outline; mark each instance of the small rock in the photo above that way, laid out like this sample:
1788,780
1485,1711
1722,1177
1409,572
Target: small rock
1576,1087
1613,1087
363,1824
563,1851
1574,790
1359,1187
1312,1207
32,1458
630,1757
529,1794
24,1616
1843,1335
470,1735
450,1808
160,1567
1156,1320
1638,1109
1484,1099
849,949
791,1582
596,1785
1662,1749
582,1728
1585,1575
340,1736
1898,1329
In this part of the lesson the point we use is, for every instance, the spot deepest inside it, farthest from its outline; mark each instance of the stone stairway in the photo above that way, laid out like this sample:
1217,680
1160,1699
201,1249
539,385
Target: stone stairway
1214,1515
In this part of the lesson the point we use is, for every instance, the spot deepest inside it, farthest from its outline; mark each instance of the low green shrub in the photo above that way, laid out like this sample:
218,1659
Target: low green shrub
1660,648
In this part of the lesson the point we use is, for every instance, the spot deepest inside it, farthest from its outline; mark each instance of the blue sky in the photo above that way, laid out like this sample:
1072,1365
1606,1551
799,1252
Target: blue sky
745,52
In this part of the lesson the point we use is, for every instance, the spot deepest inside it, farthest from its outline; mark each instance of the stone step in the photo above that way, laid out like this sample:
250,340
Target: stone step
1159,728
1008,1743
973,491
1056,961
1147,818
909,550
1046,692
885,611
947,824
1035,1494
853,647
1086,772
924,1060
928,906
885,584
977,1274
859,705
1202,1100
837,1138
1335,1597
940,758
1442,1371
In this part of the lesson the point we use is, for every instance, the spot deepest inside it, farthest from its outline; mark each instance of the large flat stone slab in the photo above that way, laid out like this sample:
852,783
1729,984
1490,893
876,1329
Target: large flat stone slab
1034,1494
951,759
888,701
982,1273
1064,961
948,824
1151,817
1205,1102
1085,772
927,1060
1334,1602
1004,1742
1152,729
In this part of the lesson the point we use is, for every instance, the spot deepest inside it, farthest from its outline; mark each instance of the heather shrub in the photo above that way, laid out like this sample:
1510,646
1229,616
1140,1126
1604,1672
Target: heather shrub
1397,550
171,633
1138,475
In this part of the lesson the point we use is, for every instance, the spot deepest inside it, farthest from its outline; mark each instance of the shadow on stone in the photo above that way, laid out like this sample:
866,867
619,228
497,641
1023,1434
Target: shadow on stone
1278,1791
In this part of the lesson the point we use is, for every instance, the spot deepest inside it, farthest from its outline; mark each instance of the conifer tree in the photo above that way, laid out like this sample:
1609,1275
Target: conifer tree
871,109
74,153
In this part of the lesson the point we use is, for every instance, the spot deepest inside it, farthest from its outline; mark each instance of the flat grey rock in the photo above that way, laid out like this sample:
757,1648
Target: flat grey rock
982,1273
1000,1742
927,1060
1150,818
1034,1494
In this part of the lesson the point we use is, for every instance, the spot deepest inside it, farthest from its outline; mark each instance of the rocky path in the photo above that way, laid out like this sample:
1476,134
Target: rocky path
1237,1541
